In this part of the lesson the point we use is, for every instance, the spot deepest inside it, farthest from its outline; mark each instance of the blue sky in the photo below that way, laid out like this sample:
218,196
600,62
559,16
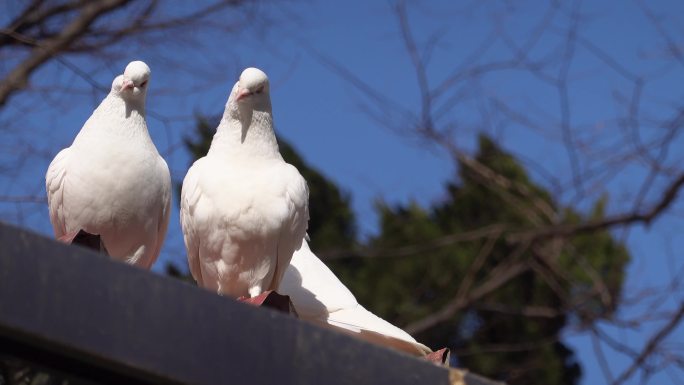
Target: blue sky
322,115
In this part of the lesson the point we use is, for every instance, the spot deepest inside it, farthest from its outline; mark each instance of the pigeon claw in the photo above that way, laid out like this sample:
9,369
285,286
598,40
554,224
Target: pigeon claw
273,300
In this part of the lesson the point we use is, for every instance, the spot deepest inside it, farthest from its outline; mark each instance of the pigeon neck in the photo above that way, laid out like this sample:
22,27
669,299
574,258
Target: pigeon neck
251,134
118,117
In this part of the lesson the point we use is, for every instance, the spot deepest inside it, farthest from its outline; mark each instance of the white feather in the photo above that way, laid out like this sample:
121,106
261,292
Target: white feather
319,296
244,210
111,181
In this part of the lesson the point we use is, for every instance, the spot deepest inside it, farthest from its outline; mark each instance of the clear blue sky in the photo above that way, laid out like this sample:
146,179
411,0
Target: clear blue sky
321,114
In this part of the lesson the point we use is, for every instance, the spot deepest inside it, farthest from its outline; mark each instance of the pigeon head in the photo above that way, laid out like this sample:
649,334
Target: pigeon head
117,84
134,80
252,88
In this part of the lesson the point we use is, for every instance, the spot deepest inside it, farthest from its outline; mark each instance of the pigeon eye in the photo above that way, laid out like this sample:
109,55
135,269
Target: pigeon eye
143,84
259,90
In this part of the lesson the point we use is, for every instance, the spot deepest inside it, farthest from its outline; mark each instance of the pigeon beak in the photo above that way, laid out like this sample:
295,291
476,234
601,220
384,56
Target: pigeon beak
127,83
243,93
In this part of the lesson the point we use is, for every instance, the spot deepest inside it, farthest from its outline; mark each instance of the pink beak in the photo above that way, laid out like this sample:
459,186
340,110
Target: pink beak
127,83
243,93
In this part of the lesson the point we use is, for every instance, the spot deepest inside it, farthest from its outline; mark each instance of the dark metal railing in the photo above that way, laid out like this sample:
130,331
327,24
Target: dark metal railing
77,313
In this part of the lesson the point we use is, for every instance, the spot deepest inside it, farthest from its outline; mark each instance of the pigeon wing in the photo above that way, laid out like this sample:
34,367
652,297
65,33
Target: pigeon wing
54,184
319,296
165,210
190,196
313,288
294,230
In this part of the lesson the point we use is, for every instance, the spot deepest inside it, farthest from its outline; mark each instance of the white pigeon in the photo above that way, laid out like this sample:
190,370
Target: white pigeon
112,181
318,296
244,210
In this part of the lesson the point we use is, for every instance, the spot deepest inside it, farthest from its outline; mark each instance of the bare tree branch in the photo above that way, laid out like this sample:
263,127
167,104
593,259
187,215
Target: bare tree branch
667,198
418,249
651,346
498,277
18,77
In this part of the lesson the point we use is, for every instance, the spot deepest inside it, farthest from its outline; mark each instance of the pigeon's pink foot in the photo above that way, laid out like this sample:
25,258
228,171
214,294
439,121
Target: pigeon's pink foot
69,237
272,300
439,357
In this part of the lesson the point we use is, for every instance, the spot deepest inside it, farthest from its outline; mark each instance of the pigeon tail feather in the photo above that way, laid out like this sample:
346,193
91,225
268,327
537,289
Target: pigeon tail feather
319,296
